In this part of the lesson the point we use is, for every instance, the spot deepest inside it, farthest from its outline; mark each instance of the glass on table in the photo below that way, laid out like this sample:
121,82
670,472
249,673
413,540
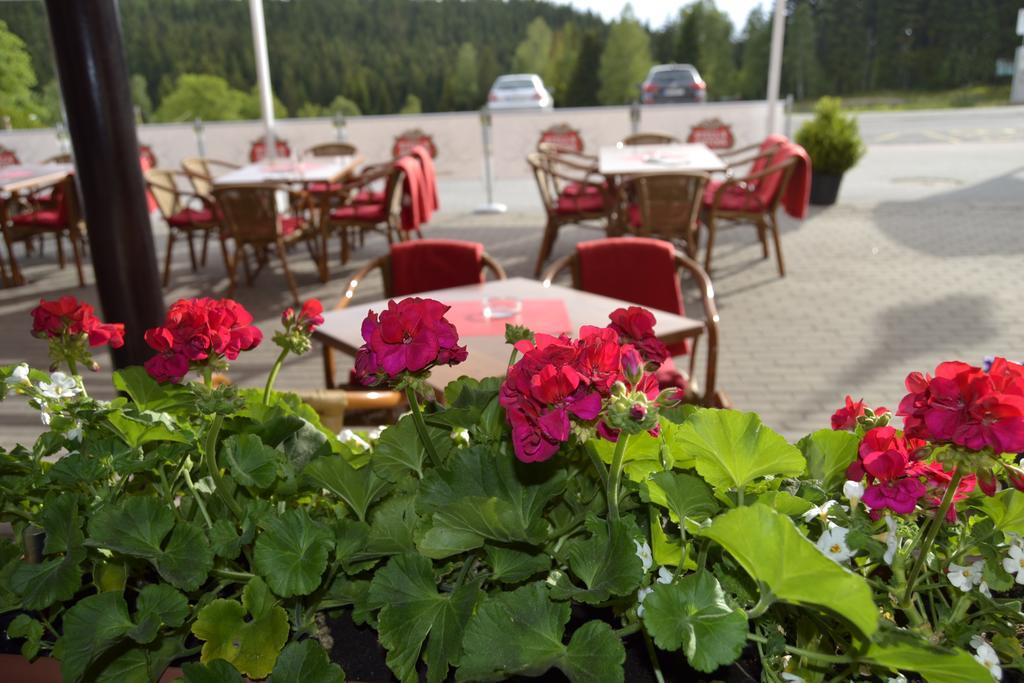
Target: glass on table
502,307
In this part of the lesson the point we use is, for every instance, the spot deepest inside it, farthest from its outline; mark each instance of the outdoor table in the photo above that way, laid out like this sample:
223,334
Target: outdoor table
19,178
641,159
552,310
275,172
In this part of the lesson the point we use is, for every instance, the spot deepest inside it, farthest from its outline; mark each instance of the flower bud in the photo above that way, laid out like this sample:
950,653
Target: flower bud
669,397
632,365
854,491
638,412
288,315
1016,476
987,482
618,389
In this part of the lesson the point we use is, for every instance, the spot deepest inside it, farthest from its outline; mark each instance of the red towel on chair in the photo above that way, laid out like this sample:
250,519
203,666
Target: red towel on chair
412,188
798,192
772,140
422,154
423,265
635,269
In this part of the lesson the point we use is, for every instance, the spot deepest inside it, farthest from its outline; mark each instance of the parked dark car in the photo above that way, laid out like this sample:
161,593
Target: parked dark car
673,83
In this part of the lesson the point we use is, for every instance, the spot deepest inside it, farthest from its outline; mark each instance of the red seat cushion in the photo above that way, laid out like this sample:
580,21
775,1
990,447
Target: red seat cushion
585,203
735,198
43,217
190,217
639,270
422,265
576,189
289,224
369,197
671,377
370,213
320,188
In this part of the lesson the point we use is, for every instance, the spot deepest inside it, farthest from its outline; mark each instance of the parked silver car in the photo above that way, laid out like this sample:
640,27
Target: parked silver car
519,91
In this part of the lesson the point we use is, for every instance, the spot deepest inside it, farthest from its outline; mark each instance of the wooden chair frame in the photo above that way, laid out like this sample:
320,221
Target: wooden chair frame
332,149
391,226
333,404
169,201
384,264
711,396
659,196
253,227
764,221
550,182
649,139
73,229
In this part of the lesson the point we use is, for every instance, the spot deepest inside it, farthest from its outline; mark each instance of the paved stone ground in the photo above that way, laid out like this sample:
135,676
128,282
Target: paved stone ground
919,262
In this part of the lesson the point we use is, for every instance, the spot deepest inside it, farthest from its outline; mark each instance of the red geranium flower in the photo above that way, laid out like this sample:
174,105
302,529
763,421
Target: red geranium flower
846,417
635,326
310,315
69,316
411,335
893,475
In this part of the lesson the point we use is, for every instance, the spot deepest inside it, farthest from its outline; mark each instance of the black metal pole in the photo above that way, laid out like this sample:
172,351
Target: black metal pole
94,81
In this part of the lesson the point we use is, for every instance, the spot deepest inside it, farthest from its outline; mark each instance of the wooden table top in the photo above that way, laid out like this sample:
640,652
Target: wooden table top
488,354
639,159
27,176
283,171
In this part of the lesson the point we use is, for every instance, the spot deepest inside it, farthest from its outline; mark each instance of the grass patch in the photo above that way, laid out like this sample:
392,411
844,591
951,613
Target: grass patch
896,100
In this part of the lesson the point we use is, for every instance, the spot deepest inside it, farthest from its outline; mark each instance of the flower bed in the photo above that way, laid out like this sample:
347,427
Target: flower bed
551,519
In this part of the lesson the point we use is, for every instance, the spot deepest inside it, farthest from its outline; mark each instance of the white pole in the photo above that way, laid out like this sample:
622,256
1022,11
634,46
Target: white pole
485,127
775,63
259,47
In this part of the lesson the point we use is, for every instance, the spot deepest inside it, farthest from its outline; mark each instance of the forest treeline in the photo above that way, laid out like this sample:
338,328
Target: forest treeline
193,58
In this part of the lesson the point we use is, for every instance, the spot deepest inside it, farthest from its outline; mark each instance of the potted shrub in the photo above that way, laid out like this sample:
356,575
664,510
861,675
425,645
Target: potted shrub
567,516
833,142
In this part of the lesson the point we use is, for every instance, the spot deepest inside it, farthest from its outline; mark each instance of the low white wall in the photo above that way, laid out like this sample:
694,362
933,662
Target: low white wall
457,134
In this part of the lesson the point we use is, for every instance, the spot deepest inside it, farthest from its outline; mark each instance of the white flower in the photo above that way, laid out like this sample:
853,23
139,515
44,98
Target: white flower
642,593
643,551
820,511
792,678
987,657
898,678
19,375
984,589
374,434
1014,563
45,416
891,540
60,386
664,575
854,491
460,436
833,544
350,438
75,433
965,577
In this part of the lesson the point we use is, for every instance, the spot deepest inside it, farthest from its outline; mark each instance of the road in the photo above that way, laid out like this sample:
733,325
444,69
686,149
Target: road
981,124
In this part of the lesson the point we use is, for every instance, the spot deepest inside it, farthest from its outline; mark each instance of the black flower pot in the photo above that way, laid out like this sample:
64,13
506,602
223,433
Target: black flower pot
824,188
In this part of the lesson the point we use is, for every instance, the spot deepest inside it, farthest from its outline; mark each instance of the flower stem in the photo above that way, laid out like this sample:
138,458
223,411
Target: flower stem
931,533
595,459
207,375
273,376
210,454
615,477
653,656
421,426
198,500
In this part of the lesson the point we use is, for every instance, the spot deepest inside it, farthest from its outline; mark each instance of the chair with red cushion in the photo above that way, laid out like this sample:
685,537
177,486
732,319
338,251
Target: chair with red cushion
666,206
60,217
8,157
752,199
646,272
571,195
354,218
185,214
420,266
649,139
251,218
561,137
258,150
406,140
329,149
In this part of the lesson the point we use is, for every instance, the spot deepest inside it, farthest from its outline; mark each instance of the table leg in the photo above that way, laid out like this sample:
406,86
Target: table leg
325,211
16,277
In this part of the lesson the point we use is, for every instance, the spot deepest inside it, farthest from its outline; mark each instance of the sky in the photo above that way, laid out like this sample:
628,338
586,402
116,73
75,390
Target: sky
655,12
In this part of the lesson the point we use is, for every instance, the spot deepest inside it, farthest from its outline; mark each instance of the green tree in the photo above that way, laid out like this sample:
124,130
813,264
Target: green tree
343,105
753,79
310,110
704,39
251,108
625,61
412,105
565,53
140,96
533,54
203,95
800,70
462,86
585,83
17,78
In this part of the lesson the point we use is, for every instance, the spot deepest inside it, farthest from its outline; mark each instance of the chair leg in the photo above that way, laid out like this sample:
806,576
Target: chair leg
546,245
329,367
167,258
343,236
778,247
762,234
16,277
231,262
206,244
711,244
281,254
78,259
191,251
60,250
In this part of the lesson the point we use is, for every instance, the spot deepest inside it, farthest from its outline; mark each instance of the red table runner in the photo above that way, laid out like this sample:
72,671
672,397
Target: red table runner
540,315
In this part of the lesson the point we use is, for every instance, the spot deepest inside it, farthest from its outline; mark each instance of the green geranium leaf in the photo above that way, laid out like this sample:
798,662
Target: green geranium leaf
391,526
606,562
146,392
683,494
786,503
158,604
399,450
357,487
935,665
771,549
305,662
466,399
24,626
53,580
249,460
135,526
440,542
646,452
413,612
187,559
692,615
91,627
1006,509
216,671
521,633
225,540
251,645
146,427
509,565
291,553
732,449
129,666
828,453
62,522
